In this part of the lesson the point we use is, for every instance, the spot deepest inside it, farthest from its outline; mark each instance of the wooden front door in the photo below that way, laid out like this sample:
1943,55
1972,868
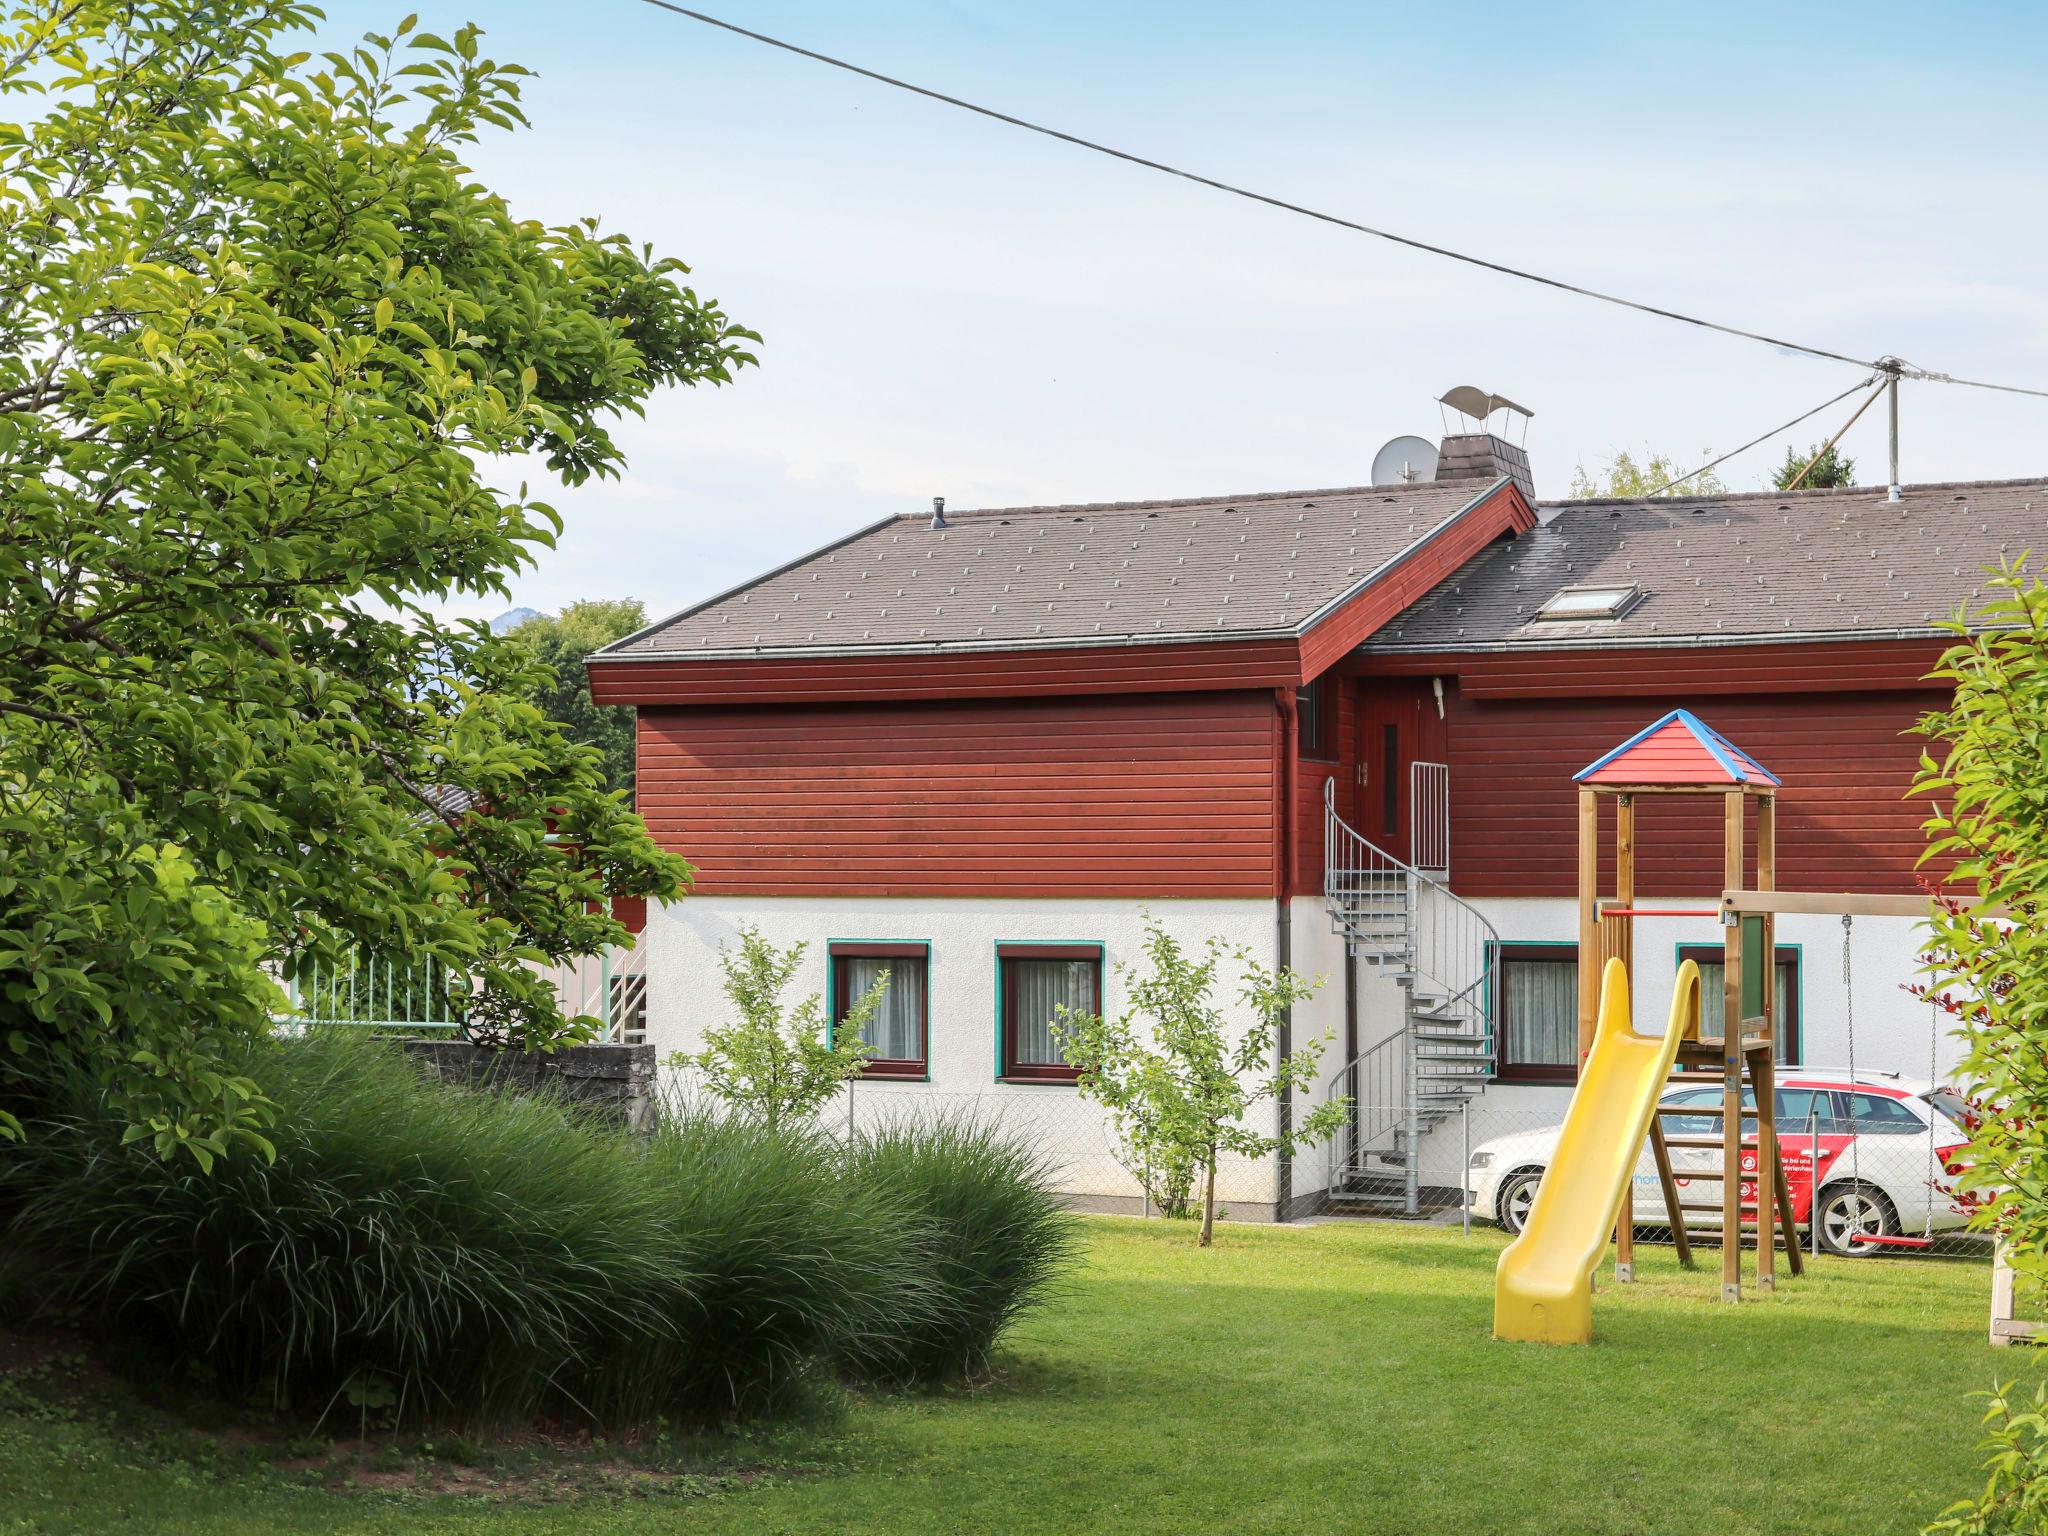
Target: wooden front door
1398,726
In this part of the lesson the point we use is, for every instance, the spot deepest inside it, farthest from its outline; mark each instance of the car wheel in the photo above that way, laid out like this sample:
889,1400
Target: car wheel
1511,1209
1851,1215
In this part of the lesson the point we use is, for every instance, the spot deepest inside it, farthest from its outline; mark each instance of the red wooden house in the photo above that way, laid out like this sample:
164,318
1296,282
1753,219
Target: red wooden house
1337,726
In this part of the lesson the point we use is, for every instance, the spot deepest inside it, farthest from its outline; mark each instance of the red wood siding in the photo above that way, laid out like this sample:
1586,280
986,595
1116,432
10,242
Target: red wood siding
1311,775
957,674
1133,795
1843,821
1680,672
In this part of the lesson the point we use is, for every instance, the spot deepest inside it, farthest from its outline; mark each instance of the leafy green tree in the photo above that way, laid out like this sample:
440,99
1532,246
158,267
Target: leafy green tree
1178,1092
1990,789
258,324
1629,481
559,642
1830,469
1990,973
776,1065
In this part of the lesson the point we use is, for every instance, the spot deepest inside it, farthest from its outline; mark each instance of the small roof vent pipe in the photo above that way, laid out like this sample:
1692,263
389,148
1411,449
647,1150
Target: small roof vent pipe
939,512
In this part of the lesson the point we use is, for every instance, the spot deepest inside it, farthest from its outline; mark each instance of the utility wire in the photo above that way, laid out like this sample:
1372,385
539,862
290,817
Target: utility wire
1788,426
1842,432
1884,365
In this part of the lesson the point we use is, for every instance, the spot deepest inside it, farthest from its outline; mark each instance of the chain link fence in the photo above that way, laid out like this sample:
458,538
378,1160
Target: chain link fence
1071,1134
1882,1190
1883,1186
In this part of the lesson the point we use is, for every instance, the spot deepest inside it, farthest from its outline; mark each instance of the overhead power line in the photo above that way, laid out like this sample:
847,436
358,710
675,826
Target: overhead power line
1841,432
1766,437
1887,365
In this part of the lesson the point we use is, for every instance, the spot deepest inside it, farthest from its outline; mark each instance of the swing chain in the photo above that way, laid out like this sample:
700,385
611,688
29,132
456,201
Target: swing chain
1856,1196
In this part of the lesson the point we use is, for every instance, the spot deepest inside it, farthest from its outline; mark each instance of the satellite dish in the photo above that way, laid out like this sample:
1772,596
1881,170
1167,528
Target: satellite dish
1405,461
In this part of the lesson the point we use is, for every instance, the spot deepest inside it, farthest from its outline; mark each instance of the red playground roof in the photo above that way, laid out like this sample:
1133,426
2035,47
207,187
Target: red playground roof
1681,748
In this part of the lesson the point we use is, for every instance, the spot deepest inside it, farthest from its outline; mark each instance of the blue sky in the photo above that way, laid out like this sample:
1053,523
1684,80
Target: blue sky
954,308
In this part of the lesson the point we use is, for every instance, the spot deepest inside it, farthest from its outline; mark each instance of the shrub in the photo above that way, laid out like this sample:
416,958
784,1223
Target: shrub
994,1239
782,1065
788,1261
462,1255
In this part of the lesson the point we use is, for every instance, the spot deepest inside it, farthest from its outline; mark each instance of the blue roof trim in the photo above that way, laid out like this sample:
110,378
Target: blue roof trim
1647,731
1725,752
1716,743
1757,769
1713,741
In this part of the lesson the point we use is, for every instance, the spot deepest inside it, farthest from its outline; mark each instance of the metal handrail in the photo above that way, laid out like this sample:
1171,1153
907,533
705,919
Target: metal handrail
1429,816
1354,863
1377,1083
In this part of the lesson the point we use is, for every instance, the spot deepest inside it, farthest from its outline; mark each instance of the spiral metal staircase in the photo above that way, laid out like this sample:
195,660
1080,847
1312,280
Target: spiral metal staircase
1405,923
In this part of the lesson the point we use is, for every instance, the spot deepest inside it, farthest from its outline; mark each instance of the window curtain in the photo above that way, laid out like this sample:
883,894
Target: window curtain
1040,988
894,1031
1542,1012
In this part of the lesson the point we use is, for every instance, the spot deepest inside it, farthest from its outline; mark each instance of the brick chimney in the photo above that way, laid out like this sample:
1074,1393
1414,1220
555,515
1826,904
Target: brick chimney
1483,458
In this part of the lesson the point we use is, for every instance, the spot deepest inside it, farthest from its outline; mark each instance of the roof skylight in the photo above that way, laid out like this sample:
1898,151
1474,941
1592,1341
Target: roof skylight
1574,604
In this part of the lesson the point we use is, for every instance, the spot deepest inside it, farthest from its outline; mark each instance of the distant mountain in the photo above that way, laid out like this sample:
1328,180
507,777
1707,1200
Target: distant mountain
512,618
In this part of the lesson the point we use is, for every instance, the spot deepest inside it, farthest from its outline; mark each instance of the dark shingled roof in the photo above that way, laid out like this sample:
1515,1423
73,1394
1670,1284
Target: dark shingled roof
1206,568
1728,569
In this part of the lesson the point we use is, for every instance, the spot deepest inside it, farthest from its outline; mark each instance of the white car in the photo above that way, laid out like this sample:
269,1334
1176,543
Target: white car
1886,1150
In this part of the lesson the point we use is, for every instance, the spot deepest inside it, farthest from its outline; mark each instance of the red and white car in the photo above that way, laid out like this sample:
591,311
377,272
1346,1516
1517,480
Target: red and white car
1886,1149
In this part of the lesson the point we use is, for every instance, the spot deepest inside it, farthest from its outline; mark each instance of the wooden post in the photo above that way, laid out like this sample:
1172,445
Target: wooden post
1732,868
1763,1064
1788,1228
1619,941
1669,1183
1589,919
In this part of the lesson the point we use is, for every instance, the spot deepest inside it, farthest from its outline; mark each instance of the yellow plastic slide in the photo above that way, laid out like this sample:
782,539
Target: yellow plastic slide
1543,1286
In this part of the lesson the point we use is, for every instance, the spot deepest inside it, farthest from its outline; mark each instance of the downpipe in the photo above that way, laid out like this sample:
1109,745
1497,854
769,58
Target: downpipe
1283,936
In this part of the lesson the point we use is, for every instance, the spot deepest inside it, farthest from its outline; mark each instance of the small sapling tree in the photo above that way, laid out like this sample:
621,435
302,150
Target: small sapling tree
1178,1092
774,1064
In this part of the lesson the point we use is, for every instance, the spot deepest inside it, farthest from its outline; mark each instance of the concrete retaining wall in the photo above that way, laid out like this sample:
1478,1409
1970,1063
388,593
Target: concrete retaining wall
615,1080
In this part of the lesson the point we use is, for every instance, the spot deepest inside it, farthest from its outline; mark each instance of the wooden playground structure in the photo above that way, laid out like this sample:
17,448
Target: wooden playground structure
1681,755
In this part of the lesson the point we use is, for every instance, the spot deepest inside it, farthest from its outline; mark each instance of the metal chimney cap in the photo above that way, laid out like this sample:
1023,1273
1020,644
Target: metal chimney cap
939,512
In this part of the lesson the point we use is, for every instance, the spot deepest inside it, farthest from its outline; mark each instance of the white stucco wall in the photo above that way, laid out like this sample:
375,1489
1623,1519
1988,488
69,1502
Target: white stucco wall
1892,1029
684,996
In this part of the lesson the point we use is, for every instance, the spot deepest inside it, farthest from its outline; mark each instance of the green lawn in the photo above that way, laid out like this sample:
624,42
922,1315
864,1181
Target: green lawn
1337,1378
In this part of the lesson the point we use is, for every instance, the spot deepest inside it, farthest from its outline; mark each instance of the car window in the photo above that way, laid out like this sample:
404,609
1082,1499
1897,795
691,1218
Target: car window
1704,1125
1873,1115
1691,1096
1805,1110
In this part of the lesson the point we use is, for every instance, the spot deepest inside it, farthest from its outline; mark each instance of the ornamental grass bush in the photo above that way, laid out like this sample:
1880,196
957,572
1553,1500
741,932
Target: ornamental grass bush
479,1257
994,1235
